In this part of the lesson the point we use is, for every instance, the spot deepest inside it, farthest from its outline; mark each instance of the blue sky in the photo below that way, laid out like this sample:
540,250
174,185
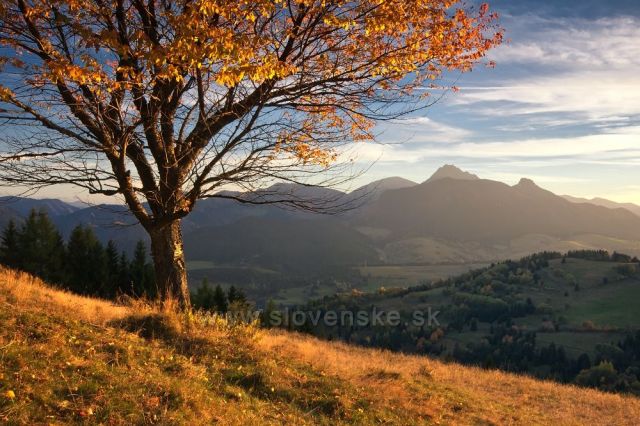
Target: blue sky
561,107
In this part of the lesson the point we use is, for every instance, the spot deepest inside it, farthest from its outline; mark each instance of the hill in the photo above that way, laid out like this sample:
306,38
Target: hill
633,208
8,214
24,205
67,359
372,191
552,316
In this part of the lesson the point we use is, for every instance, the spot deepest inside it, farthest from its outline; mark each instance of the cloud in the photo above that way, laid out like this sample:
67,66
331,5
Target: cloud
618,146
560,73
606,43
594,95
423,129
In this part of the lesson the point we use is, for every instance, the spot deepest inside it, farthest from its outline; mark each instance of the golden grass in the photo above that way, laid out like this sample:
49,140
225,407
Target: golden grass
72,359
25,290
452,393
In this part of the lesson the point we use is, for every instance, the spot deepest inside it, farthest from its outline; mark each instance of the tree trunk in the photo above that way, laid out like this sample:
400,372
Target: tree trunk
168,260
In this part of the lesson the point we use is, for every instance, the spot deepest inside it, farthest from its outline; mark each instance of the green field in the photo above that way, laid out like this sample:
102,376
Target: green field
614,305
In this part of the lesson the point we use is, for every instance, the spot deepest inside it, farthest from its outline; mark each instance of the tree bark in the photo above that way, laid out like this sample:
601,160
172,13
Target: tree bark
170,268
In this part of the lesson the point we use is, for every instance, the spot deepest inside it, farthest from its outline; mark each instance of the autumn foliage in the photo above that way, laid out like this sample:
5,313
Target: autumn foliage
164,102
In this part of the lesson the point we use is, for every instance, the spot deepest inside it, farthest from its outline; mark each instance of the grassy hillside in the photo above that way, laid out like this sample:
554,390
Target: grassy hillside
67,359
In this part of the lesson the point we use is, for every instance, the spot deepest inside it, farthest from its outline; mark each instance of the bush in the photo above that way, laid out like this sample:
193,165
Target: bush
602,376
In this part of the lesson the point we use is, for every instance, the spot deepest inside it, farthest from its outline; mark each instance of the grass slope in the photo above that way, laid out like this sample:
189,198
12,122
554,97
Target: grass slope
67,359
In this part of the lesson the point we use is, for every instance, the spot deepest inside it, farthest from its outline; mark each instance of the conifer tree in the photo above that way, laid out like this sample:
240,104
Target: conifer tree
236,295
84,262
9,246
204,297
112,270
232,294
142,273
220,300
269,311
40,247
124,285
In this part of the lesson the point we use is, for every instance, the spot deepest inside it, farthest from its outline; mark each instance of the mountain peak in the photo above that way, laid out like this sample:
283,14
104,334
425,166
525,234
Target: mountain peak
452,172
526,183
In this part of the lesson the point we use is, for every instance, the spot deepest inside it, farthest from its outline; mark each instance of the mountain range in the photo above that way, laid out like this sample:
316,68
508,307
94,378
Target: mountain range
633,208
452,217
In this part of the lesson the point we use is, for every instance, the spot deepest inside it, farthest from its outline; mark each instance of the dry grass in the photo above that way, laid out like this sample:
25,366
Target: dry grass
19,288
72,359
451,393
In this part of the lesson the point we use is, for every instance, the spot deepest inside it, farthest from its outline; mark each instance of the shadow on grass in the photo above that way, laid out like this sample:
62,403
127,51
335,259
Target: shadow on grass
238,365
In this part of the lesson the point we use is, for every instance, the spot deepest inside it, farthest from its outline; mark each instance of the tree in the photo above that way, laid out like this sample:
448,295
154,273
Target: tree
40,249
142,272
112,273
236,295
85,263
9,246
270,315
166,102
204,297
220,300
124,275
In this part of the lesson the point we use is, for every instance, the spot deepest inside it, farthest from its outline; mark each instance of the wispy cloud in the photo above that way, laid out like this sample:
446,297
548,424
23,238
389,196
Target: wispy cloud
423,129
585,71
622,144
573,43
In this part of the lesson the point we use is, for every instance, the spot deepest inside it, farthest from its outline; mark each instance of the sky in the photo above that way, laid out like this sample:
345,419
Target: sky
561,107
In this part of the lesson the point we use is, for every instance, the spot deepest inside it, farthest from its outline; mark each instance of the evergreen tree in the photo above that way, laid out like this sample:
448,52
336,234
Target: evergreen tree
142,273
97,266
236,295
40,247
220,300
204,297
85,262
112,270
232,294
237,301
269,311
124,285
9,246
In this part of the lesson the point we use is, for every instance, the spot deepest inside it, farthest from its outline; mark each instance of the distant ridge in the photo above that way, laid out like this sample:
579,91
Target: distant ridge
372,191
633,208
23,205
455,205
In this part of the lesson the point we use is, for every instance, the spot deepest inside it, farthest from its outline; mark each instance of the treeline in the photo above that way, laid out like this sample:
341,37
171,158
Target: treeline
217,300
612,367
602,256
81,265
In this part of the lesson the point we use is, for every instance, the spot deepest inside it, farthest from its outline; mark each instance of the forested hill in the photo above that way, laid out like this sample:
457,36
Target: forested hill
571,318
